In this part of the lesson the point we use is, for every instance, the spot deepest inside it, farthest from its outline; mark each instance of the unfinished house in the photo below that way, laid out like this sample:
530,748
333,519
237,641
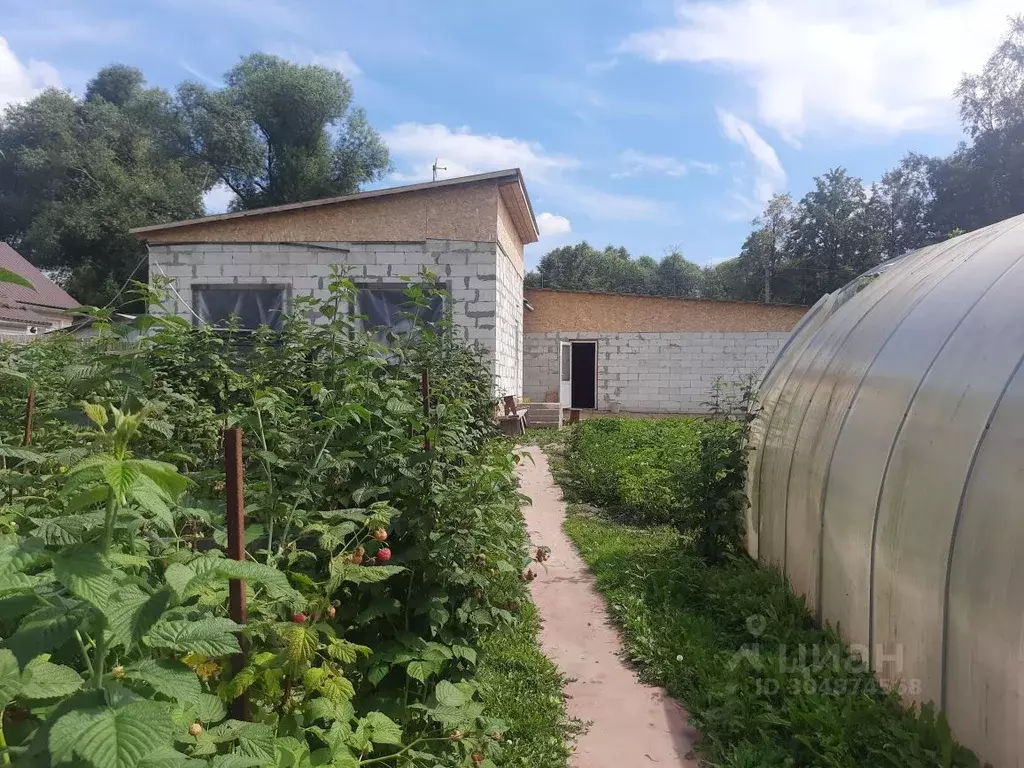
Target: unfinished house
469,231
644,353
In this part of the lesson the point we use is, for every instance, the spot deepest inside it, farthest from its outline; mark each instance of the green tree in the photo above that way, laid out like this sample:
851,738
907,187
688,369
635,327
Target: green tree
76,175
900,206
833,239
281,132
678,277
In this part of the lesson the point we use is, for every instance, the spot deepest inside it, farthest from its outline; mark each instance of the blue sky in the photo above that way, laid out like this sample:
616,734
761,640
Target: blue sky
653,124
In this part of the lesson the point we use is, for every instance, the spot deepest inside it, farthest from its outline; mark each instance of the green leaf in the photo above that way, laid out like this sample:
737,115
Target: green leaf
43,680
112,738
131,612
212,568
88,498
209,708
449,696
300,644
16,556
342,570
166,476
178,577
419,670
10,677
97,413
82,570
7,276
148,495
257,740
235,761
121,477
168,678
23,454
211,636
330,711
465,652
384,730
47,629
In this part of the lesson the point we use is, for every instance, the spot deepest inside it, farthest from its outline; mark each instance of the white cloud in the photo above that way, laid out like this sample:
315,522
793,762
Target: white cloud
462,152
20,82
551,225
339,60
880,65
217,199
769,175
636,163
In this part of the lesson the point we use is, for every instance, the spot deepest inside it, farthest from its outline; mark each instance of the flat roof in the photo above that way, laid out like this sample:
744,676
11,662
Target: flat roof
510,178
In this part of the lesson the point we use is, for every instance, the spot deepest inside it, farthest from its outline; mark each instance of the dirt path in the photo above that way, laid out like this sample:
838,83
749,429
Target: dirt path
632,724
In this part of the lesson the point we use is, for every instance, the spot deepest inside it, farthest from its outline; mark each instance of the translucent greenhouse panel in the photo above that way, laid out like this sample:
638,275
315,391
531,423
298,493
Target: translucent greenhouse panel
834,390
928,467
768,394
984,667
861,454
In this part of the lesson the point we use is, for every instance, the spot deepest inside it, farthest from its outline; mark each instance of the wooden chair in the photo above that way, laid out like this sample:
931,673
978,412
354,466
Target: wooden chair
514,421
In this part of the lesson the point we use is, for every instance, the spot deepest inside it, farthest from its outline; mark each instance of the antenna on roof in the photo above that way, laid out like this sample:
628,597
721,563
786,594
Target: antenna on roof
438,167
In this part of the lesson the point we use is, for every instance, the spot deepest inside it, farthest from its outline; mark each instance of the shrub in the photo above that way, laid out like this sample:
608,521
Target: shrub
687,472
115,645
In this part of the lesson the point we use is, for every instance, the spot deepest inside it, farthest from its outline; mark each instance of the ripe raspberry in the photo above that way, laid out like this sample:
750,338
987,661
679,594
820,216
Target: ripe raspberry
383,554
299,618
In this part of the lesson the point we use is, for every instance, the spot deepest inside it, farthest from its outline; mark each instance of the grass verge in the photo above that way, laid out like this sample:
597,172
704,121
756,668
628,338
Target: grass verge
765,686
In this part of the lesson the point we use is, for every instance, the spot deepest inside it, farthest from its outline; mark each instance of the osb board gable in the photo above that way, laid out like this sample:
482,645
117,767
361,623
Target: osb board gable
466,212
569,311
508,237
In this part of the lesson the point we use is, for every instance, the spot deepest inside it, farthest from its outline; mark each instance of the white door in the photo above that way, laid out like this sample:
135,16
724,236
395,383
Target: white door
565,374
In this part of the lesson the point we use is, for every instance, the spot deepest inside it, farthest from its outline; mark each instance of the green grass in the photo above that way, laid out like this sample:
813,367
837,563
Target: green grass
522,687
685,624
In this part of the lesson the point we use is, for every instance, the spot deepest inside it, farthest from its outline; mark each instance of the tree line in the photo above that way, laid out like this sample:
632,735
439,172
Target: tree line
798,251
77,173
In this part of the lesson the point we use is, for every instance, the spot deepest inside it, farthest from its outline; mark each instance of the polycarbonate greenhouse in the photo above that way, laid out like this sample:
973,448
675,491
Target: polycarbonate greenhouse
887,478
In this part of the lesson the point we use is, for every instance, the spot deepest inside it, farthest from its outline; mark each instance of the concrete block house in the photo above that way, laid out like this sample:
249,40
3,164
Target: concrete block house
582,350
469,231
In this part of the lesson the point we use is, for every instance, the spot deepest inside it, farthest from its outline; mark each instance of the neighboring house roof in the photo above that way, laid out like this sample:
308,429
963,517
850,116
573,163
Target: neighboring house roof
510,185
592,311
21,304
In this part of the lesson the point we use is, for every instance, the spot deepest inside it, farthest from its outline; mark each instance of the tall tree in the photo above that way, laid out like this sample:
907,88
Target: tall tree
832,240
76,175
900,206
281,132
776,224
678,277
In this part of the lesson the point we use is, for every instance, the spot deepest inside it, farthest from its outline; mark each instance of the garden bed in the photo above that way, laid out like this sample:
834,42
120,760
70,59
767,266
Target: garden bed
381,553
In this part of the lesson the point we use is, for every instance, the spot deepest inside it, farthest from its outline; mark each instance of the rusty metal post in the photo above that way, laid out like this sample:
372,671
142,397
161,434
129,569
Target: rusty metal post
425,394
234,484
30,411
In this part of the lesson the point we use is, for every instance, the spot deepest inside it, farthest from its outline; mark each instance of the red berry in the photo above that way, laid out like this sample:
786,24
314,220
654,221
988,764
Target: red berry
299,618
380,534
383,554
478,759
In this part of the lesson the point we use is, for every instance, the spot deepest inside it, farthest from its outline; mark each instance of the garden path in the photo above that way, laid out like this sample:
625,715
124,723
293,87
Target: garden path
631,724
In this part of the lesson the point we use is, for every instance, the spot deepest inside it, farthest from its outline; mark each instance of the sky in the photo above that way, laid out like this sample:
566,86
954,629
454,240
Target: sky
657,125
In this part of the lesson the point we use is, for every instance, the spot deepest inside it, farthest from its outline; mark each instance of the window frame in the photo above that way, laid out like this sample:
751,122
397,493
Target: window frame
198,320
395,285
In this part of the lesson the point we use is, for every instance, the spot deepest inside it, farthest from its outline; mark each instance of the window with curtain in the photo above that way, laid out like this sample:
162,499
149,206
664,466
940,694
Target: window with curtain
255,305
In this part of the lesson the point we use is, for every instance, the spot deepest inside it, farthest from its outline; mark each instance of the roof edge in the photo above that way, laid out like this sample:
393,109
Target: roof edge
510,173
656,296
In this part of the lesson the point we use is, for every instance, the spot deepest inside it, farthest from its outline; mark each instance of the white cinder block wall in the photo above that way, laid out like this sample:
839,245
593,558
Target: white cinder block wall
483,292
509,330
652,372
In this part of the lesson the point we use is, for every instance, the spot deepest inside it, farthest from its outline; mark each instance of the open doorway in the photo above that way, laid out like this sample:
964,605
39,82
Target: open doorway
579,374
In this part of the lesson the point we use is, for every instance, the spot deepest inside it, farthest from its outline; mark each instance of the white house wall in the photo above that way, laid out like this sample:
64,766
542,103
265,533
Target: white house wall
471,271
652,372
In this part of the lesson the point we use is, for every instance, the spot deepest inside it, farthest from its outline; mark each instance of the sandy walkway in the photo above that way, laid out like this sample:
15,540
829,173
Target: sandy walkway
632,724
